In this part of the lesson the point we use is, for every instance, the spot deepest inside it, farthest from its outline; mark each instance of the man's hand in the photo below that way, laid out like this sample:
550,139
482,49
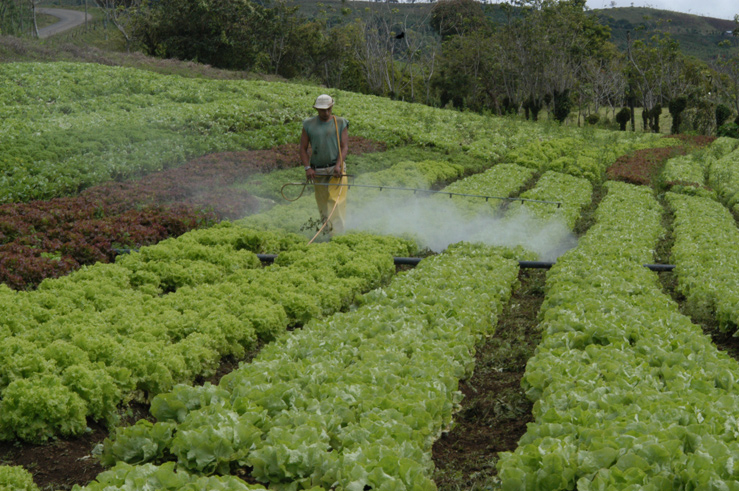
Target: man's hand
310,174
338,169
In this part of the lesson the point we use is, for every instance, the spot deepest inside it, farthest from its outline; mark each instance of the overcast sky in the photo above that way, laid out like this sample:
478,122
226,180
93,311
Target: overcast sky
720,9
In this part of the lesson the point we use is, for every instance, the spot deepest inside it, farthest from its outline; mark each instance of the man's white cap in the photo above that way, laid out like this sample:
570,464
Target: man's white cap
323,101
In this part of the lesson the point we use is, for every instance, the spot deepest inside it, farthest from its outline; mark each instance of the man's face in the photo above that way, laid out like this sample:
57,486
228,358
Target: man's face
324,114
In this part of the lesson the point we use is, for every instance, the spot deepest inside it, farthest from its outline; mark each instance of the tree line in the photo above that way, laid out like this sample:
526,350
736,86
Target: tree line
523,57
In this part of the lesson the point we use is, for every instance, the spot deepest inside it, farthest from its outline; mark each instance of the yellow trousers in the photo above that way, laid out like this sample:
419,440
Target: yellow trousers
328,196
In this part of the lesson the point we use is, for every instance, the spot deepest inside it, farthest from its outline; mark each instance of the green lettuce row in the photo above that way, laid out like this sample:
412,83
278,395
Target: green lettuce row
573,192
81,345
352,401
706,257
65,126
686,170
16,478
723,177
586,156
125,477
722,146
501,180
688,174
629,394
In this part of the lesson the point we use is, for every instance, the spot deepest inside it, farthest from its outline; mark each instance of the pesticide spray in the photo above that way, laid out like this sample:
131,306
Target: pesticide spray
437,223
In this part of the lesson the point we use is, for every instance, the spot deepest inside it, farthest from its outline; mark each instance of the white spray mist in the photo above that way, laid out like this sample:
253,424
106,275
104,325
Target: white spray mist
436,223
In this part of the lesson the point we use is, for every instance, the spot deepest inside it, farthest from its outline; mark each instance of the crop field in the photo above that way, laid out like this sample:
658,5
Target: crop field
147,343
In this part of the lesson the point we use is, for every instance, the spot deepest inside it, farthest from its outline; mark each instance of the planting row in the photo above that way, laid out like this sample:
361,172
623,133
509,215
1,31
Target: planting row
706,257
585,156
689,174
81,345
628,392
572,192
42,239
67,126
48,239
723,177
349,402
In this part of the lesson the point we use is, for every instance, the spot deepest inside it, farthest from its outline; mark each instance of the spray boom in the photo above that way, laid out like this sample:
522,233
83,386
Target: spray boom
415,190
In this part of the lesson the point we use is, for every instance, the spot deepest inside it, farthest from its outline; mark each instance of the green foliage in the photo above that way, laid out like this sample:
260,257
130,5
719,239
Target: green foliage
457,17
615,383
562,105
676,107
125,477
723,112
573,192
723,176
580,157
289,416
139,443
41,407
623,117
64,126
16,478
730,130
80,345
226,35
704,233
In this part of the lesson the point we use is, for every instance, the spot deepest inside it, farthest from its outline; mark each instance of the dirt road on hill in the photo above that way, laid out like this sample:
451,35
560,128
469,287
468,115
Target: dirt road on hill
68,19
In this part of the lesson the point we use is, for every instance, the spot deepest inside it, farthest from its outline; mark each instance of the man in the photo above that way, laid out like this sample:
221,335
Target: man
325,165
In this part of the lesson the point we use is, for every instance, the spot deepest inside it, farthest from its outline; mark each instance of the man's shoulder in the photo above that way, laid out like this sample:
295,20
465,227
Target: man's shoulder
310,120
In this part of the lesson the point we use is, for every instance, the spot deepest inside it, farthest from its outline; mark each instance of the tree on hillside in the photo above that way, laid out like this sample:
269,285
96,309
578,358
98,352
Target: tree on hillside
656,72
545,51
375,53
727,66
232,34
522,56
604,82
15,15
33,4
457,17
466,77
122,14
395,54
466,74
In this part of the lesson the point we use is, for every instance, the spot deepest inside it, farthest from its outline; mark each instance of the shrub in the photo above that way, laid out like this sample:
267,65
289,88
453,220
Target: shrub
623,117
729,129
676,108
723,112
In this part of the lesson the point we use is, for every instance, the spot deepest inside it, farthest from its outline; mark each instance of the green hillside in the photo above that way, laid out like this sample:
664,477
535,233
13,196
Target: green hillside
698,36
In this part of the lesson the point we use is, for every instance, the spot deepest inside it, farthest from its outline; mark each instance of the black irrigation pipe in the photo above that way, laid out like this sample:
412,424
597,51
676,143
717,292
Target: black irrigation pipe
413,261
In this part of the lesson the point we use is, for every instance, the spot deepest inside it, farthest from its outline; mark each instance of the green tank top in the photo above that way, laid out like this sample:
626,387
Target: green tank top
322,137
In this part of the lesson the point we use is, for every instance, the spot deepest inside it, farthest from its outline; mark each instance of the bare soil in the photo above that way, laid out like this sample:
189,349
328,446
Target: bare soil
495,409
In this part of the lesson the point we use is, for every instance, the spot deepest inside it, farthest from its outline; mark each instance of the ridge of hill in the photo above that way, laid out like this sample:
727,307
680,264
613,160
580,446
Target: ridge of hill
698,36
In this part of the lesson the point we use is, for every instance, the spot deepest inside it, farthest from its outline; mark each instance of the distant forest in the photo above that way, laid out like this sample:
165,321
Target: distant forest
559,57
